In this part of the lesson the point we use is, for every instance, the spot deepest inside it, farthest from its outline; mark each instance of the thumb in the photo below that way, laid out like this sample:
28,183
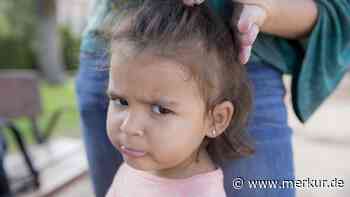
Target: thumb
265,4
192,2
251,15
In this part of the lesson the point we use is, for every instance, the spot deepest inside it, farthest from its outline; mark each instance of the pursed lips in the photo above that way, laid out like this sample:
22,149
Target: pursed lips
131,152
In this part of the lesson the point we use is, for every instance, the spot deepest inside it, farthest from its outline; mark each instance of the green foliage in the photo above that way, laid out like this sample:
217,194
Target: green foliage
17,25
15,53
4,25
70,44
56,97
17,37
18,18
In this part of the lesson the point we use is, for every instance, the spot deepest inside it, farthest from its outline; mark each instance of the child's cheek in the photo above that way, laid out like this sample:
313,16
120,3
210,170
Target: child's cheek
112,126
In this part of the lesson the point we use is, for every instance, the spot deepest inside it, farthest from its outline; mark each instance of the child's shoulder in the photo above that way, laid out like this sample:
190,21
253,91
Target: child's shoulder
132,182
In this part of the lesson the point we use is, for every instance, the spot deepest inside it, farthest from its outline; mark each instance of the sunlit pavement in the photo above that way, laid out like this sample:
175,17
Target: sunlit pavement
322,147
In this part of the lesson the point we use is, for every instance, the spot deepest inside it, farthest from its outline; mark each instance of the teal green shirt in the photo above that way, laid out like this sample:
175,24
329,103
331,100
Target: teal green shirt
317,64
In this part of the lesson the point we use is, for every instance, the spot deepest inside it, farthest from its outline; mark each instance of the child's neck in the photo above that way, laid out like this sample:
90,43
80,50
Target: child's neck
190,167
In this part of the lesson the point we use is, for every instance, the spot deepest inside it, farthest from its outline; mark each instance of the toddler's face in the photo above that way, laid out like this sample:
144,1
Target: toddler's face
156,115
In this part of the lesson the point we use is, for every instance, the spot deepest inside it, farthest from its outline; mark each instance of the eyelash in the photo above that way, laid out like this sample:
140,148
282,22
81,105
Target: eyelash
121,101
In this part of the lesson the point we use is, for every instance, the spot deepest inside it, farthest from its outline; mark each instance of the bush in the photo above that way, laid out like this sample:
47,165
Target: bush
70,45
16,34
17,53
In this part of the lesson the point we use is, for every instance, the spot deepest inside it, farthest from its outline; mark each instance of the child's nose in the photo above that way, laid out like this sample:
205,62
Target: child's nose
132,125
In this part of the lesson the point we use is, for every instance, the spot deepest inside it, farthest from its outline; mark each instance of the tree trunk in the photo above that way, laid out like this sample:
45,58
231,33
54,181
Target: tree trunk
49,51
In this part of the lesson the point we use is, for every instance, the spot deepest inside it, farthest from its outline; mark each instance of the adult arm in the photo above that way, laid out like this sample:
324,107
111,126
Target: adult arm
288,19
285,18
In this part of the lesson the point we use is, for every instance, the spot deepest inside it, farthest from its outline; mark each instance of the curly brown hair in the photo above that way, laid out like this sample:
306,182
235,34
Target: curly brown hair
206,41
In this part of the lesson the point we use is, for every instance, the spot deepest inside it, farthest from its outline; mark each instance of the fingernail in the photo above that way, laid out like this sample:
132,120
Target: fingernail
245,54
253,33
242,58
246,58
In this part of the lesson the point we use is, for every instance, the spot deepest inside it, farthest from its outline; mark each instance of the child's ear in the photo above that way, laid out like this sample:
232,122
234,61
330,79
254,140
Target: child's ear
221,118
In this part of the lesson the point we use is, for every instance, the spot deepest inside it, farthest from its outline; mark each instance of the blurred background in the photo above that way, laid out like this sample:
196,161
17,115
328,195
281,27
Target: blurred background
41,145
39,121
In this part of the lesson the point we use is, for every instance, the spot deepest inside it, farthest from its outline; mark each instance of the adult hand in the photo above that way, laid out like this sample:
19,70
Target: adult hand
249,25
192,2
253,16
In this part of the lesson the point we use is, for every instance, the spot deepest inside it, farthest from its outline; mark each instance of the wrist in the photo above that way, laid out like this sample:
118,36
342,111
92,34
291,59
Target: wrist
267,10
289,19
271,9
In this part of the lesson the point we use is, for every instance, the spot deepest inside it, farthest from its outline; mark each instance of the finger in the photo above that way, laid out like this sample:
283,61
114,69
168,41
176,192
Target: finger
250,37
192,2
250,15
263,4
245,54
189,2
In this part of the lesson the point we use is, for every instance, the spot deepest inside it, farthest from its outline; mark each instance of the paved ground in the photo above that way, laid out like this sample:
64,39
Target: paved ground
321,148
60,162
82,188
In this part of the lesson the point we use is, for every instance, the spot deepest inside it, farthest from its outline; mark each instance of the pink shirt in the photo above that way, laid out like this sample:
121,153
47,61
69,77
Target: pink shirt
130,182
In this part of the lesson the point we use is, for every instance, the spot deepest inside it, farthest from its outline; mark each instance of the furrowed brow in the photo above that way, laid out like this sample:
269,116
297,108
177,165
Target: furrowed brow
111,93
161,101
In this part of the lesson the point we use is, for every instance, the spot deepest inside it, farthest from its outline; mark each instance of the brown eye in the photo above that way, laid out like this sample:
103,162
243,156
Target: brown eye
119,102
160,110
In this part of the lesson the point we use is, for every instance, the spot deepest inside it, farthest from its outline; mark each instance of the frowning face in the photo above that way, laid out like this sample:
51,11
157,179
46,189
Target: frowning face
156,116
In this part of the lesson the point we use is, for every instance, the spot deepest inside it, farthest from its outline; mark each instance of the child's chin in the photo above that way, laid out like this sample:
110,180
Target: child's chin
139,165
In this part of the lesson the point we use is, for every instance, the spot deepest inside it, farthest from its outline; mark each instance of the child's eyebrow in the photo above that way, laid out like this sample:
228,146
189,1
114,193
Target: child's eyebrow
111,93
164,101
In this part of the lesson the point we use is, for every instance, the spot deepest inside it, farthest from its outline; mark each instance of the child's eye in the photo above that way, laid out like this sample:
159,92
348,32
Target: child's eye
119,102
160,110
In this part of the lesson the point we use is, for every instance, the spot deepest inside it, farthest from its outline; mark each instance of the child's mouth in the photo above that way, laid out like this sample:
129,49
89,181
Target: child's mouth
131,152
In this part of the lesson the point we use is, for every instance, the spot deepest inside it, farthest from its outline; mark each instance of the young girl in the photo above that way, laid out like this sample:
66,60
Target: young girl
179,100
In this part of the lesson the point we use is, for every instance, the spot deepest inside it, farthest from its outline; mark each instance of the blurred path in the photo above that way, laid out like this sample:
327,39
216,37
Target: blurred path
322,146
